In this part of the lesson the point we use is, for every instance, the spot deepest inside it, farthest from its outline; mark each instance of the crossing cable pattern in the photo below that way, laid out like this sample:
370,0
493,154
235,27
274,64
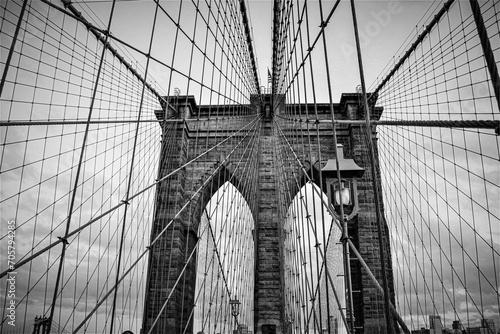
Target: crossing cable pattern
84,126
300,90
438,150
441,185
106,241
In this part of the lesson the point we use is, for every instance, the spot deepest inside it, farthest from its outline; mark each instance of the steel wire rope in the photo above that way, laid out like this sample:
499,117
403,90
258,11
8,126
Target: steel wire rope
229,245
50,21
128,186
224,93
210,215
229,232
374,167
206,143
351,245
186,35
75,231
469,33
316,296
139,246
187,261
123,122
495,79
301,20
312,45
195,149
13,44
451,34
447,207
73,196
422,36
444,199
317,322
24,159
406,43
66,100
142,52
170,132
206,158
60,198
98,34
219,80
317,289
414,252
410,277
317,240
215,293
433,157
302,144
102,23
148,249
323,254
281,167
302,288
458,241
438,214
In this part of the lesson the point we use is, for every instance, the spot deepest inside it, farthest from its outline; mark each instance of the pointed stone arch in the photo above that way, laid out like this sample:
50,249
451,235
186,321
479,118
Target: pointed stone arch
219,175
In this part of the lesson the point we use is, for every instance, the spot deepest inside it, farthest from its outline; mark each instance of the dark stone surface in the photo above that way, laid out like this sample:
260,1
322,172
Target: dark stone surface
169,254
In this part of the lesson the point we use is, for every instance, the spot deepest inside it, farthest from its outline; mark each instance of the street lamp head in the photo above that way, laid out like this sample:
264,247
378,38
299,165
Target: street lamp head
235,307
345,193
347,167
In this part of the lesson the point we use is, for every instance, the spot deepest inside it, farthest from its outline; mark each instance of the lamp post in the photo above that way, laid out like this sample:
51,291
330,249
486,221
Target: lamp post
235,311
341,182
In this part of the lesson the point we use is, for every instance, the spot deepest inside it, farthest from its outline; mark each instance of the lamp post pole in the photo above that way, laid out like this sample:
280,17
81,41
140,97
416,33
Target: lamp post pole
341,171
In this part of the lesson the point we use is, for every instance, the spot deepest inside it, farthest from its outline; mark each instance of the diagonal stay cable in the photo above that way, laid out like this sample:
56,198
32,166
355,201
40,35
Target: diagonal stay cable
209,217
356,253
125,201
99,32
224,188
148,248
209,179
322,255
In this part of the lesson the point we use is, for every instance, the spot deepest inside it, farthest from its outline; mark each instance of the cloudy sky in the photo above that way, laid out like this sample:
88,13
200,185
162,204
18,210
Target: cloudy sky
440,186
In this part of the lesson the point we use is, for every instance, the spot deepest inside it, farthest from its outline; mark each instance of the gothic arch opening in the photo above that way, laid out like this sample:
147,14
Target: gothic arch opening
311,267
225,263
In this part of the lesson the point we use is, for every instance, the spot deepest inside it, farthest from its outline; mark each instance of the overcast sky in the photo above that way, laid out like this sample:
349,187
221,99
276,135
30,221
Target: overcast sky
384,27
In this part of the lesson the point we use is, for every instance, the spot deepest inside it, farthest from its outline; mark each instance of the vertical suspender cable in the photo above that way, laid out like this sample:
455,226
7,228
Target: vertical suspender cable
487,51
129,183
12,46
373,161
78,171
343,220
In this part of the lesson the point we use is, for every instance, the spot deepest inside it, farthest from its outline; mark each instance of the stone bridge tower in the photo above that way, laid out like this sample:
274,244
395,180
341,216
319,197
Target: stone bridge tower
180,231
